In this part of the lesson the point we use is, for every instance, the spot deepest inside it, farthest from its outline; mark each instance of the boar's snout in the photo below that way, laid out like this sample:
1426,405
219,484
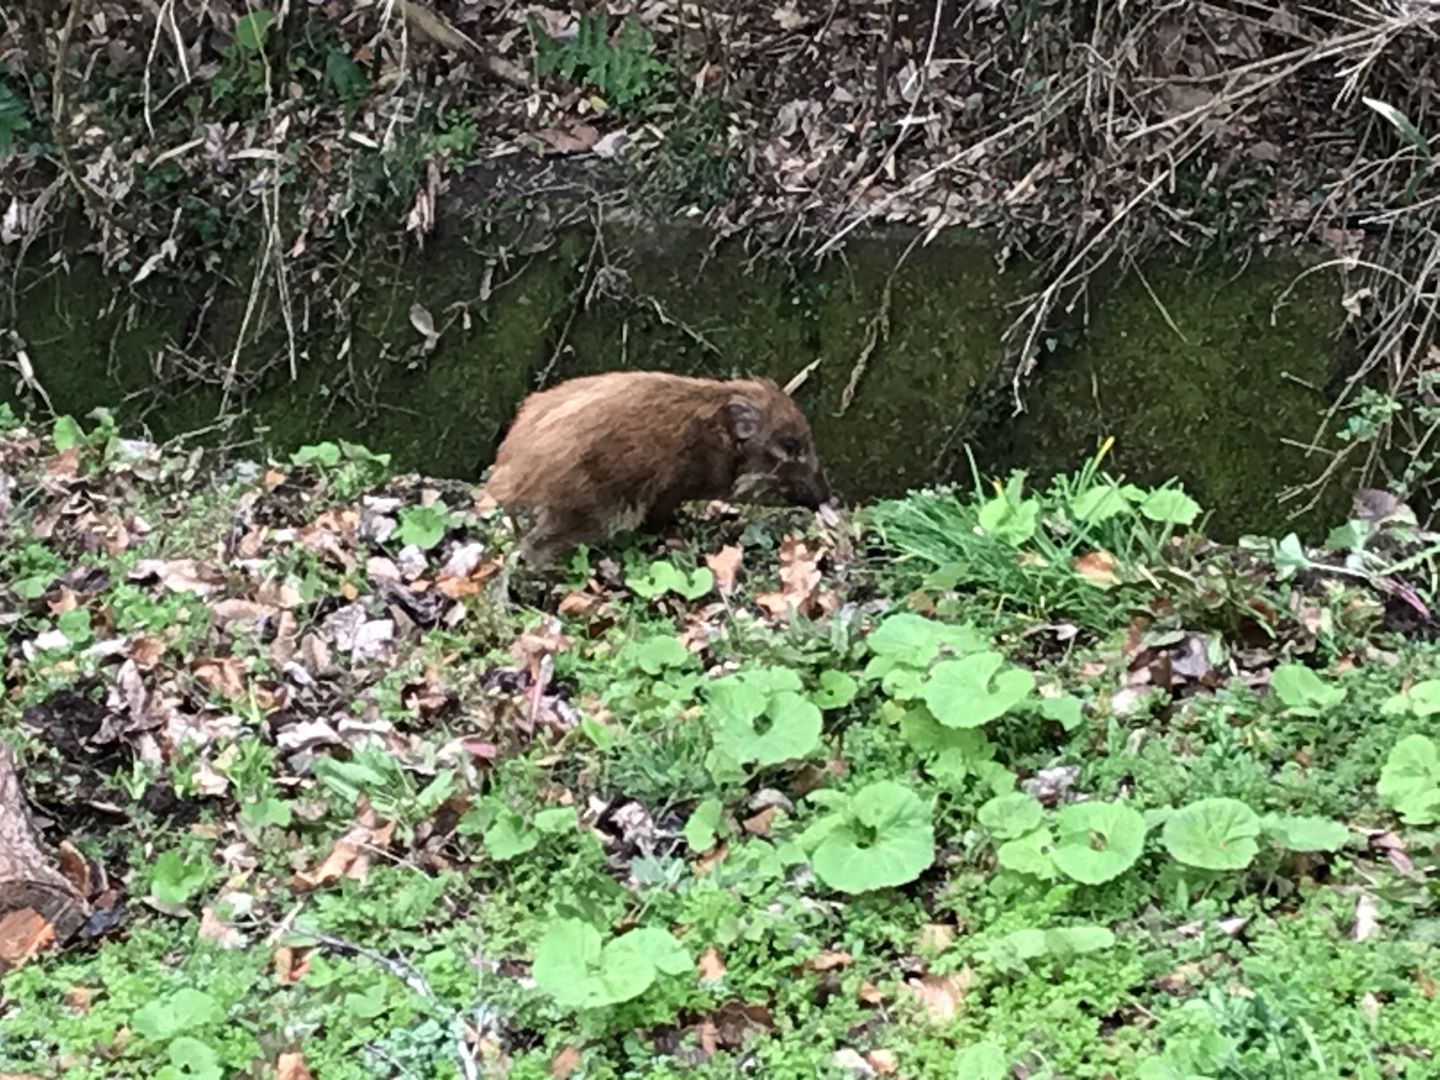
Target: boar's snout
807,489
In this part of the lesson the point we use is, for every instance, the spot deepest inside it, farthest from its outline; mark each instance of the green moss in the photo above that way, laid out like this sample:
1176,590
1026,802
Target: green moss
1209,398
1207,388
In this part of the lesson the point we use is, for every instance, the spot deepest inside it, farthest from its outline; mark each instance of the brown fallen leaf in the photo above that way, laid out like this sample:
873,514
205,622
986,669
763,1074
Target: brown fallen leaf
828,961
23,933
800,580
223,675
883,1062
711,966
351,855
78,999
941,995
291,965
291,1066
759,824
213,928
725,565
565,1062
870,994
1096,567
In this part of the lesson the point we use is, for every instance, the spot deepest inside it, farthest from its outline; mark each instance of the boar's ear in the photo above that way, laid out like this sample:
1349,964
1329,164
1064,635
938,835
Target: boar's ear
743,416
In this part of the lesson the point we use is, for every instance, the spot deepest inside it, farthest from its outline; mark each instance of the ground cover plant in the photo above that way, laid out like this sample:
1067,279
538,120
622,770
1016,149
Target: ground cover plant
1001,782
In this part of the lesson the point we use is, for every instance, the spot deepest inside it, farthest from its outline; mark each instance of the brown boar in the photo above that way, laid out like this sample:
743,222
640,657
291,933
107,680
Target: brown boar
601,454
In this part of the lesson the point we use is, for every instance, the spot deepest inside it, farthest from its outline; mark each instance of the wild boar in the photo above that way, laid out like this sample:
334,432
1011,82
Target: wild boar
603,454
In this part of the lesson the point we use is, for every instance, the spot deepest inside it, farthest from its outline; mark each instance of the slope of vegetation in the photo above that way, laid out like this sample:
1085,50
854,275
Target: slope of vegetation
990,784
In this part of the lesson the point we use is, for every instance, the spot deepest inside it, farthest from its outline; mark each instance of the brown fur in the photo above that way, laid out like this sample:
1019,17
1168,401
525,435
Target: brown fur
601,454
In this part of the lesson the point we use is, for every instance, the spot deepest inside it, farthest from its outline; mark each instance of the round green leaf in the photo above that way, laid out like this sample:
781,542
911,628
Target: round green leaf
836,690
1410,780
1031,854
1171,506
579,971
1213,834
1009,816
886,838
973,690
1307,833
1098,841
982,1061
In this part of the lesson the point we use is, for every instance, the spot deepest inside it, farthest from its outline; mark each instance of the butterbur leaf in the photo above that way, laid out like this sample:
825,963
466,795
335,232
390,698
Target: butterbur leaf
1031,854
252,29
1009,816
65,433
913,640
982,1061
1098,841
1099,503
1065,710
761,717
1306,833
836,690
951,754
1302,691
703,824
973,690
325,455
576,967
654,655
556,820
423,526
885,838
1213,834
1170,506
1410,780
173,880
191,1059
1076,940
649,944
184,1010
509,836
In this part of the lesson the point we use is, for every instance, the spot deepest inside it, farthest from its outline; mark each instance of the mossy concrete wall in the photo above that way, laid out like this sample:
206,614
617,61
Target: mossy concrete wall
1194,370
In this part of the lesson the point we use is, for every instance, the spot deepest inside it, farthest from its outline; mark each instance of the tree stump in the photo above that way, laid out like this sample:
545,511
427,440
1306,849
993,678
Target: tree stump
39,906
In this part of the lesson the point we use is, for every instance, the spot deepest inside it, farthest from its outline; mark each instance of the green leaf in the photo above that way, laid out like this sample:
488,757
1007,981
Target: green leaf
344,76
173,880
913,640
1066,710
836,690
951,754
186,1010
654,946
1290,558
580,971
656,654
1213,834
191,1059
1031,854
66,433
75,625
509,836
1302,691
1306,833
1098,841
423,526
1066,941
252,29
1401,123
972,691
1099,503
557,819
1170,506
885,838
323,455
1410,780
267,811
12,121
1422,700
703,825
982,1061
1010,816
760,716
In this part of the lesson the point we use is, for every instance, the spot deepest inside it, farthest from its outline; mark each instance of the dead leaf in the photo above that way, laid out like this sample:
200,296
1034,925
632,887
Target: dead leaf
1096,567
870,994
291,965
941,995
23,933
711,966
213,928
935,937
565,1062
725,565
800,580
883,1062
291,1066
351,855
829,961
759,824
223,675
